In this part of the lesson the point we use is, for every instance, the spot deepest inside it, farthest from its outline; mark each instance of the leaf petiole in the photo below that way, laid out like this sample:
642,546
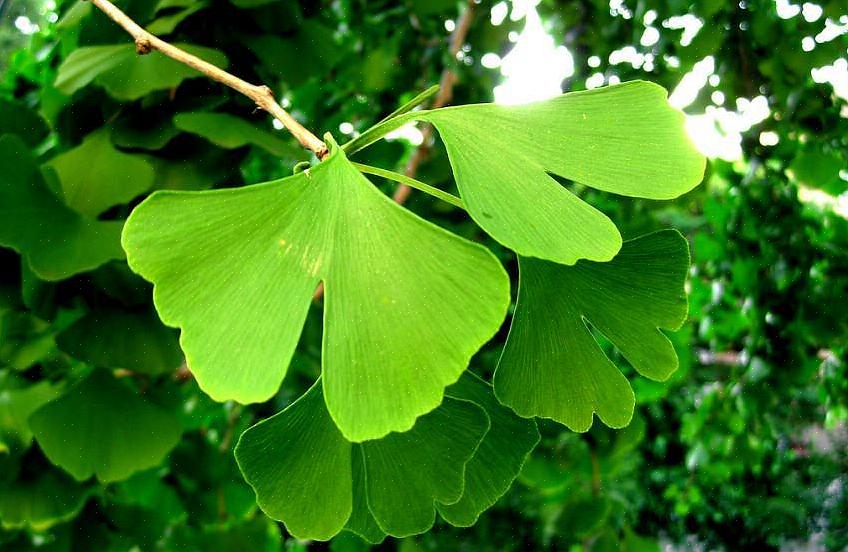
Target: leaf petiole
411,182
388,123
412,104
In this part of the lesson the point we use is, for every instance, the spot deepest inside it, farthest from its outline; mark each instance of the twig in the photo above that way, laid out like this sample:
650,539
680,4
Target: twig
260,94
442,99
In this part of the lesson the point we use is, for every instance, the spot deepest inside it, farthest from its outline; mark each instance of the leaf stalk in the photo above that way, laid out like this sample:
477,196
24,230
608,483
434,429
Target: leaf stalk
412,183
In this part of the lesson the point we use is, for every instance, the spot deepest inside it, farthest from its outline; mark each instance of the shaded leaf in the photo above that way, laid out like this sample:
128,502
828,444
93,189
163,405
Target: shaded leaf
230,132
584,516
499,458
393,281
100,427
114,338
199,172
17,119
165,24
41,503
143,131
551,364
16,405
95,176
307,54
56,241
126,75
301,467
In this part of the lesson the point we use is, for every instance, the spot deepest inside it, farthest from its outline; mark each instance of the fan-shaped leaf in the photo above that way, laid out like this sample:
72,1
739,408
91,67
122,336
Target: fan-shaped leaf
16,405
41,503
498,459
229,131
112,338
126,75
236,270
143,131
17,119
624,139
552,366
100,427
95,176
303,470
56,241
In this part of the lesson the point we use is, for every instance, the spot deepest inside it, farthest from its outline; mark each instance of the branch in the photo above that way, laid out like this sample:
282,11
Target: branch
442,99
261,95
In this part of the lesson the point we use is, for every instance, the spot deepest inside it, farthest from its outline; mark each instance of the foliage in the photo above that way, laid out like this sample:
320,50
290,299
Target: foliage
721,452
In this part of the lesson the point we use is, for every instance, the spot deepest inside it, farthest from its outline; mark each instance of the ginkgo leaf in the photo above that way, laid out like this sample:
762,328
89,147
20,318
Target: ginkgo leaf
95,176
167,23
16,406
112,338
126,75
406,303
361,521
143,131
552,366
498,459
229,131
624,139
427,461
100,427
16,118
304,471
56,241
40,503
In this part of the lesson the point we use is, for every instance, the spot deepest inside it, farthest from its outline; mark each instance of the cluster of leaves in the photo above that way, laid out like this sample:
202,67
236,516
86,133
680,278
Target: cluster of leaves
697,456
377,444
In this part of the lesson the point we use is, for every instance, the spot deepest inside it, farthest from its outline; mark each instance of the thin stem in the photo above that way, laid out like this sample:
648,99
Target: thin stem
412,183
387,124
413,103
260,94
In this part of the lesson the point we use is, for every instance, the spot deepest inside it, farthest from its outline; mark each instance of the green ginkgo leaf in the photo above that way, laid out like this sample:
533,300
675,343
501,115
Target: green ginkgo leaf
499,458
18,119
16,406
56,241
143,131
39,504
406,303
166,24
229,131
126,75
95,176
100,427
112,338
304,471
551,364
623,139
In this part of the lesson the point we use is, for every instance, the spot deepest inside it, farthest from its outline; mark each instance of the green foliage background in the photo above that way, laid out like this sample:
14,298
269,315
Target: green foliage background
745,447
